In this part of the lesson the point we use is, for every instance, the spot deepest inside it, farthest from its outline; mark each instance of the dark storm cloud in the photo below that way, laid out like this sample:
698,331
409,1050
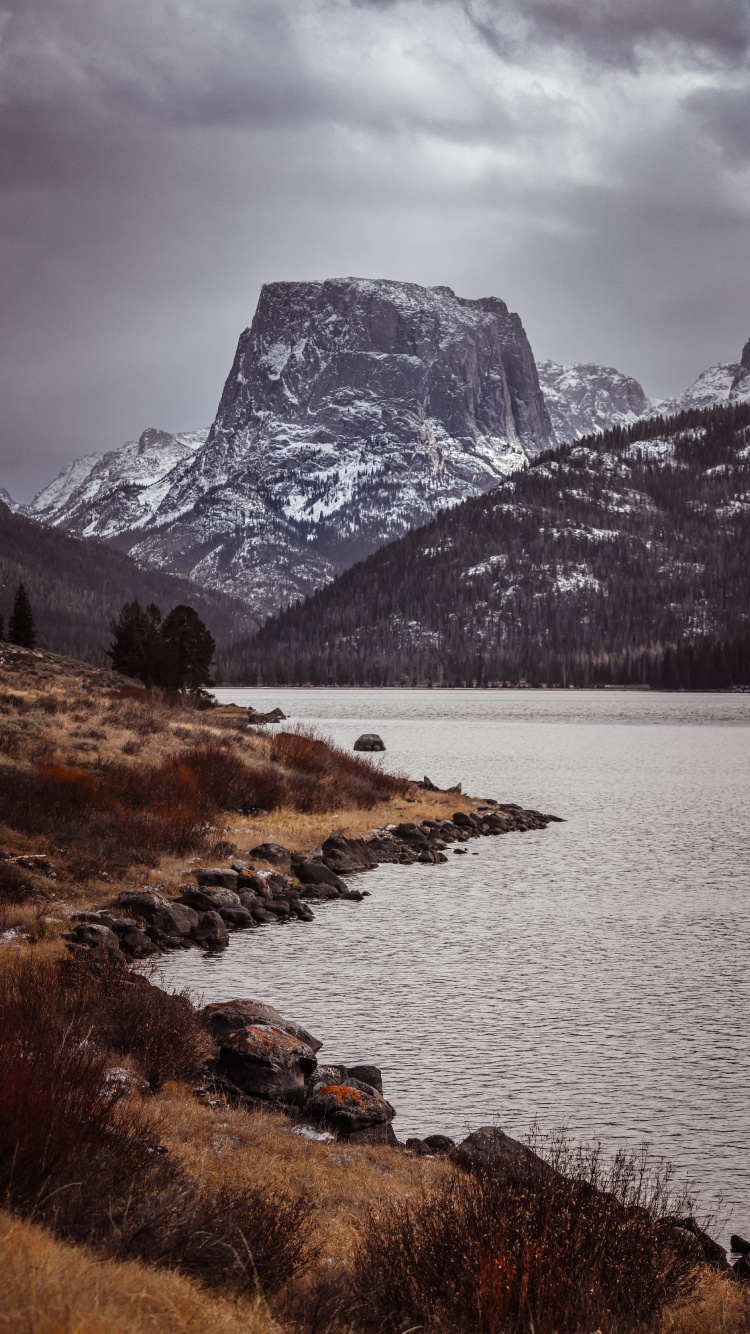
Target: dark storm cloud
617,29
159,159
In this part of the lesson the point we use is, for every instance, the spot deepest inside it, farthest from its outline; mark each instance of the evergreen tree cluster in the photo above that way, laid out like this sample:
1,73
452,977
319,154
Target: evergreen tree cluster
21,624
174,654
75,585
622,559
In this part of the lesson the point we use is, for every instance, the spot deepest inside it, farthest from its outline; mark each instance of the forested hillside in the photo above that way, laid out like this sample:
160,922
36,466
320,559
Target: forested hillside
604,562
76,585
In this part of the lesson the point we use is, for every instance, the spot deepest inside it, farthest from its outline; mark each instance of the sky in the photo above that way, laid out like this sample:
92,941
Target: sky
588,161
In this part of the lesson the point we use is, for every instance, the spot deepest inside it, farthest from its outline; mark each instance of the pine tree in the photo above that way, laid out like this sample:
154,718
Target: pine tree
187,651
136,643
21,628
2,629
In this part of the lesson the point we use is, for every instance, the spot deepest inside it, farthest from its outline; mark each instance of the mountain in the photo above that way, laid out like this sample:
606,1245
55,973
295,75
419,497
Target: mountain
76,585
7,499
727,382
584,398
104,495
353,411
619,545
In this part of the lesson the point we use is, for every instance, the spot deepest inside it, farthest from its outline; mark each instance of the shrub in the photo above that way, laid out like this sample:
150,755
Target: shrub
121,1013
15,885
239,1238
347,778
572,1251
80,1156
56,1105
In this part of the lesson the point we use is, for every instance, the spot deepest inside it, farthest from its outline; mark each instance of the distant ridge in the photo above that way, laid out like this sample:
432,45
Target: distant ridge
76,585
630,540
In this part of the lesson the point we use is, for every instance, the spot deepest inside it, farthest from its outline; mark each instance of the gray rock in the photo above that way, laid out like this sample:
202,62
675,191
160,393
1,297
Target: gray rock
344,855
237,917
368,1074
741,1270
211,931
688,1245
267,1062
382,1133
321,892
348,1107
418,1147
87,933
490,1149
316,873
262,719
369,741
220,877
279,907
224,1017
207,899
263,917
133,941
274,854
165,916
439,1143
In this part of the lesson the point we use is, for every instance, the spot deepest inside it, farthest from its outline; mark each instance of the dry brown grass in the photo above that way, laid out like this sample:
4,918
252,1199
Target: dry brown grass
260,1148
717,1306
50,1287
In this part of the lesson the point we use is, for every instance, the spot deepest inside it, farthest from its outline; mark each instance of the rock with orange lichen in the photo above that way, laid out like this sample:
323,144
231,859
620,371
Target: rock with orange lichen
267,1062
224,1017
348,1108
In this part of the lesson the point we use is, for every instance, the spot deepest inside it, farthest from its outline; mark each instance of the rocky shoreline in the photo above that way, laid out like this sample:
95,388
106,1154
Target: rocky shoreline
262,1060
242,896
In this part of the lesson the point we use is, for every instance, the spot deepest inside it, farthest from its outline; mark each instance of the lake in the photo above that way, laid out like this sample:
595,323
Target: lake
595,974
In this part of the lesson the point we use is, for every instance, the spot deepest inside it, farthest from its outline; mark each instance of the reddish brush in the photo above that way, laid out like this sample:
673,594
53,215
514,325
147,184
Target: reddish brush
555,1253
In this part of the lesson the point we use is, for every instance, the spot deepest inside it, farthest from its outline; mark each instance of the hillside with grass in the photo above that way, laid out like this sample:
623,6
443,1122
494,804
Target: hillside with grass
76,585
621,559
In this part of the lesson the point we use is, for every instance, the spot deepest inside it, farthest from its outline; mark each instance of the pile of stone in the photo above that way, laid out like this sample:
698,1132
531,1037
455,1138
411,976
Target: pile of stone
263,1059
225,899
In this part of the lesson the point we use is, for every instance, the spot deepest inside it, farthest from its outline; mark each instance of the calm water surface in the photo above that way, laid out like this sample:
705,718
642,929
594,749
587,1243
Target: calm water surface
595,974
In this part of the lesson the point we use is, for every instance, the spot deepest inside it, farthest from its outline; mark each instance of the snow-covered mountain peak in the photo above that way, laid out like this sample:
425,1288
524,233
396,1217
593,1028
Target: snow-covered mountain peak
98,492
585,398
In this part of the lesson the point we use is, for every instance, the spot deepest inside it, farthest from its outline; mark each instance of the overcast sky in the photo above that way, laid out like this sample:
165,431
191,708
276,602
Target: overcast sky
586,160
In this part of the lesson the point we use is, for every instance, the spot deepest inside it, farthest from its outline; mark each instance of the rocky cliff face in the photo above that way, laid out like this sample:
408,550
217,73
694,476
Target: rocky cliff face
354,410
584,398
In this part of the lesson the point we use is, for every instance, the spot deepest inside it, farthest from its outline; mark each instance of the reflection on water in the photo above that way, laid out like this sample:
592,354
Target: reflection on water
596,973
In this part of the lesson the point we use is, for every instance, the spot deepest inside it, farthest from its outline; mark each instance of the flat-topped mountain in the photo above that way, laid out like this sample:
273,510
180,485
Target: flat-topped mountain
354,410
